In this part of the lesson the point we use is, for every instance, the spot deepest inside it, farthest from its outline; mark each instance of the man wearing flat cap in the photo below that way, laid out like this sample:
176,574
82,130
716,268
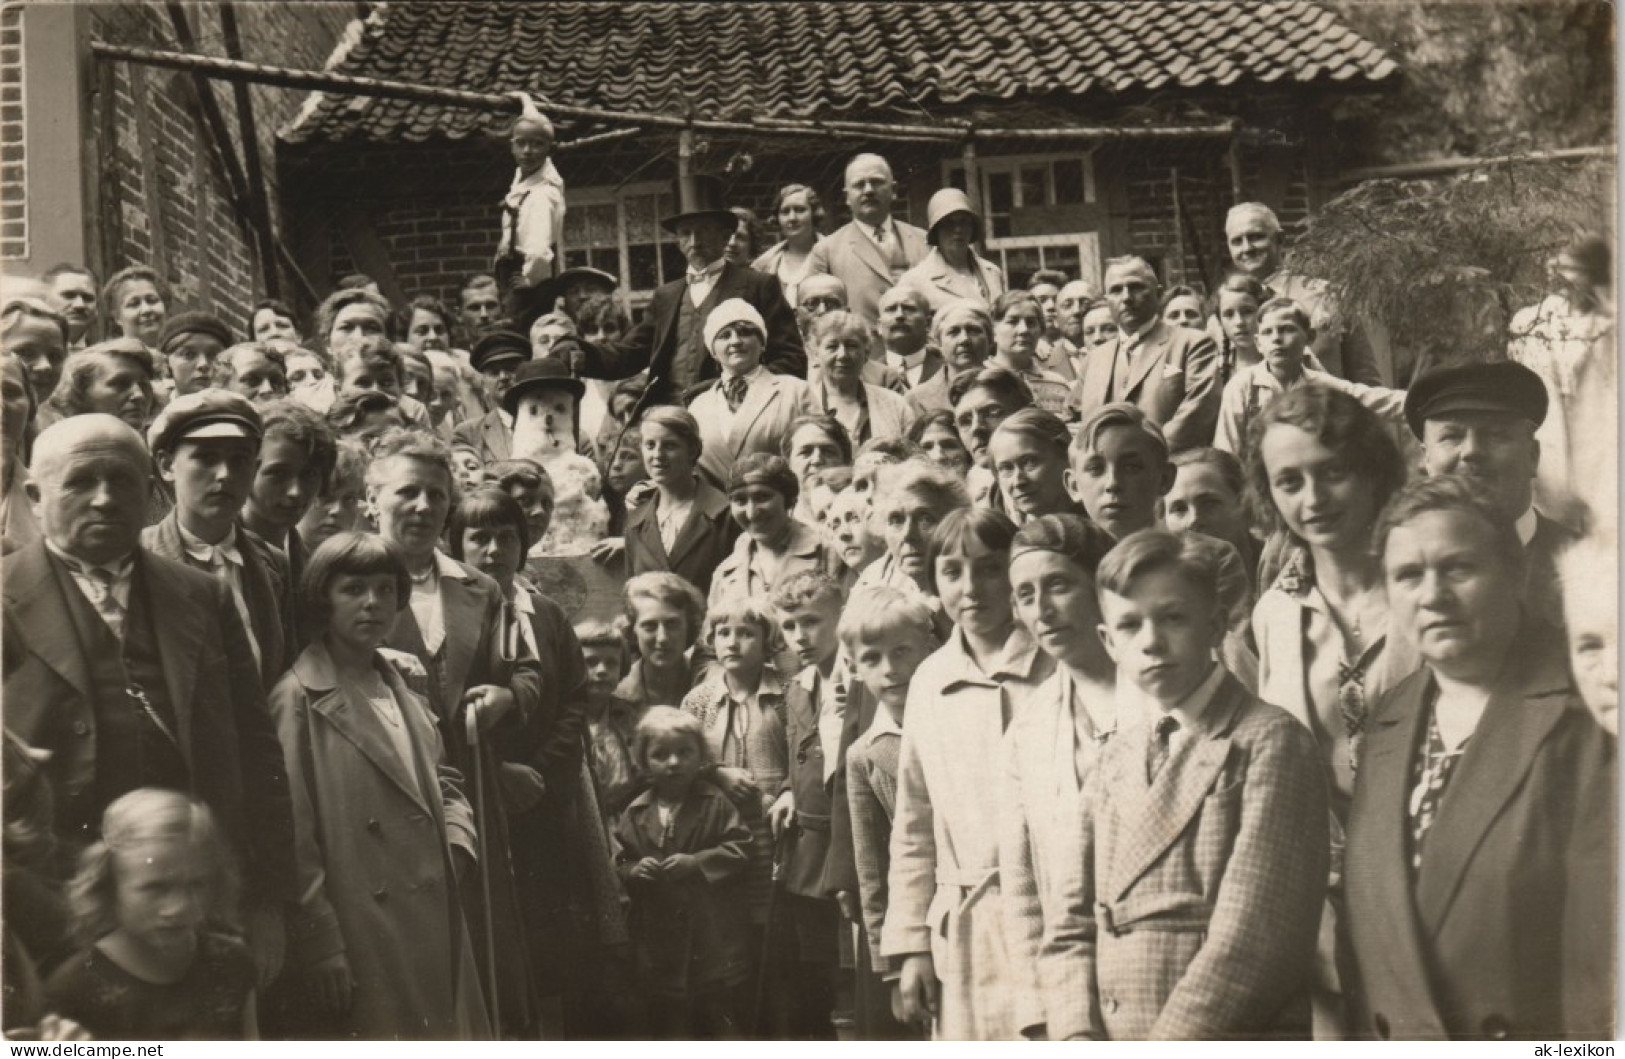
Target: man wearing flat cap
1479,420
190,342
207,446
669,340
132,670
496,356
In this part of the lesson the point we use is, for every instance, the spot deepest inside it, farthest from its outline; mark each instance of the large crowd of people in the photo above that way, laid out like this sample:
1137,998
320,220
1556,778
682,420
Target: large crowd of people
992,662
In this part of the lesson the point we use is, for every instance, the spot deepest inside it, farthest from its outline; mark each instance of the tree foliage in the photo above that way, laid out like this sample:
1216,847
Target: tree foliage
1444,264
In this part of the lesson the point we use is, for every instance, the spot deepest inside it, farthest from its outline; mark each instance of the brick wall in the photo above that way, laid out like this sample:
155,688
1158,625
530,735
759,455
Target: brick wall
435,217
165,197
13,159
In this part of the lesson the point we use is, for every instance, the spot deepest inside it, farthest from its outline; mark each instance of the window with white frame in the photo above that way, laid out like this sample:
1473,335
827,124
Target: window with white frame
1014,184
618,230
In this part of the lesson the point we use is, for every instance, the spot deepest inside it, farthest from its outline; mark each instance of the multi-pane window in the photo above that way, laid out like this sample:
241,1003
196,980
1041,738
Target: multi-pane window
618,230
1013,185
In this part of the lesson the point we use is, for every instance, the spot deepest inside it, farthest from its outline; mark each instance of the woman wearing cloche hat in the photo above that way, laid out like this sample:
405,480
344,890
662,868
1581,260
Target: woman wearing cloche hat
953,271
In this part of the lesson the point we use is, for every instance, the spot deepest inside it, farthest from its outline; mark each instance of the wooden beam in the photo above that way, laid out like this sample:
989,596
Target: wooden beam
370,254
259,203
1446,166
151,181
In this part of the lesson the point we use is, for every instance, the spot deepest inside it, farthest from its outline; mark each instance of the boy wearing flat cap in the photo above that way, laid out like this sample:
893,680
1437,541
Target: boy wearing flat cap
1479,420
206,445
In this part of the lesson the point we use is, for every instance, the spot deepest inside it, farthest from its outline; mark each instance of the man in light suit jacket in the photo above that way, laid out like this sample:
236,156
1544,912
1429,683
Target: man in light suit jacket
872,252
1170,372
668,341
135,671
1479,869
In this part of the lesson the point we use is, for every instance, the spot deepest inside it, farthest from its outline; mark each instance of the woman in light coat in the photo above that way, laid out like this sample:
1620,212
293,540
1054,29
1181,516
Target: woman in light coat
953,271
750,409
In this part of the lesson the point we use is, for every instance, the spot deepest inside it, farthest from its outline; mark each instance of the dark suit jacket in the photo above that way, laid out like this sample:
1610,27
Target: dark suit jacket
1507,929
1175,383
487,435
227,737
266,578
705,540
652,344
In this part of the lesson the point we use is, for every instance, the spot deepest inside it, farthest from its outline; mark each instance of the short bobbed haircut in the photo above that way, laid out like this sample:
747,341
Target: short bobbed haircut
815,205
1337,421
1196,558
742,609
991,529
134,821
349,554
487,507
1458,493
764,468
679,421
662,722
672,590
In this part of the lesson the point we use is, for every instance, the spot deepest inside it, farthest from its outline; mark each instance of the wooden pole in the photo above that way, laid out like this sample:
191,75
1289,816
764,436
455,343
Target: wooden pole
973,183
259,203
950,131
212,117
687,194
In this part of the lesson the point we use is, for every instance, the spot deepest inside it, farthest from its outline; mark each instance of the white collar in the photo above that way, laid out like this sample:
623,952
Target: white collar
882,725
1190,709
204,552
886,226
547,174
446,566
749,376
121,568
1527,524
1134,338
913,360
710,271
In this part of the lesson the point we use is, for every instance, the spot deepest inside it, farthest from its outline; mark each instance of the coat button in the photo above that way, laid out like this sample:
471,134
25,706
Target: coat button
81,728
374,826
1381,1024
1108,1004
1496,1028
380,893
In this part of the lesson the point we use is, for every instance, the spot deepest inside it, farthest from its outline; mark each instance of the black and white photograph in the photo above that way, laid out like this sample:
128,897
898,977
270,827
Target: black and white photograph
808,520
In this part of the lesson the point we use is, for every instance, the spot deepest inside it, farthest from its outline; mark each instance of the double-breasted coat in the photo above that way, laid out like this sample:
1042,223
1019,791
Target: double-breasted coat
943,886
1506,929
374,841
1202,887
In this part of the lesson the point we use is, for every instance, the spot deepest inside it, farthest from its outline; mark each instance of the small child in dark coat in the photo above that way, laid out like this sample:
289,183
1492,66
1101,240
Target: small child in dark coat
682,852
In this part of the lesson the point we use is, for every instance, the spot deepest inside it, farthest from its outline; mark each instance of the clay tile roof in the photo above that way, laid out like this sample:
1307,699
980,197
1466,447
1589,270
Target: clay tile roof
820,58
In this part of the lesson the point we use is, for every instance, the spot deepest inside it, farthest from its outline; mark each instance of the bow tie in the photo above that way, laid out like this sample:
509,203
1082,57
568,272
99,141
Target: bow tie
704,275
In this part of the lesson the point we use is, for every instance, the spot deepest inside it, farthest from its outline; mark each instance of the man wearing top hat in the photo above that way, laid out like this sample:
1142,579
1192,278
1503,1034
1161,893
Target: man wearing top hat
669,340
132,670
206,445
1479,420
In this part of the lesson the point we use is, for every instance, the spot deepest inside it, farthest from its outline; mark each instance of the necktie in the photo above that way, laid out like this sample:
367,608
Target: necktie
891,249
1157,752
102,598
733,391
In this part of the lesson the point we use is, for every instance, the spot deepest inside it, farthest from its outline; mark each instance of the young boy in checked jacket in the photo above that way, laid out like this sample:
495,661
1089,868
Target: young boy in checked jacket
1204,830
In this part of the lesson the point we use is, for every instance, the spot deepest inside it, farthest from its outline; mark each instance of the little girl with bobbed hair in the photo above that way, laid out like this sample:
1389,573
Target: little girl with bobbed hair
383,833
155,903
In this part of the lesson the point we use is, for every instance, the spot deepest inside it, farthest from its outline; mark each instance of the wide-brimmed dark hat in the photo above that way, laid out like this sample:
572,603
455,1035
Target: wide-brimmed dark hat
708,203
1502,387
548,373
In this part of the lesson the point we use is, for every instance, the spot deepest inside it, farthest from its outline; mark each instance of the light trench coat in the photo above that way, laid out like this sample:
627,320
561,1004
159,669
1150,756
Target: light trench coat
373,841
944,878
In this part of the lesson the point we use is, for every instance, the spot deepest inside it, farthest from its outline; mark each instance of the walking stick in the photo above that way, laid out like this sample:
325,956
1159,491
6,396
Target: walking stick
757,1014
471,723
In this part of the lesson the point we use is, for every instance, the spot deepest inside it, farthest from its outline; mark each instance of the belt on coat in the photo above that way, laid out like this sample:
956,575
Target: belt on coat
1168,912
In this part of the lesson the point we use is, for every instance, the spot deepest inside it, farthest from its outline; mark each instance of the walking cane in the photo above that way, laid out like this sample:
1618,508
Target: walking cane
471,723
757,1014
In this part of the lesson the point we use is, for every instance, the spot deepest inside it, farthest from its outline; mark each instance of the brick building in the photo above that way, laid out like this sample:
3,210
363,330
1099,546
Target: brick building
408,192
111,163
